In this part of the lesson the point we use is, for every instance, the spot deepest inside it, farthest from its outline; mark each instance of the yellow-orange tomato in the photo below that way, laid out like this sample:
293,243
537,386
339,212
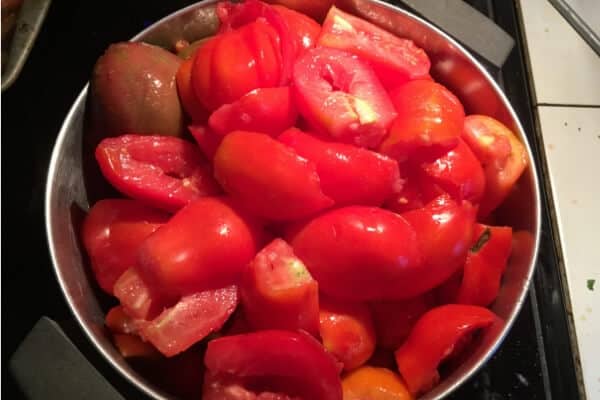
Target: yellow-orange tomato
370,383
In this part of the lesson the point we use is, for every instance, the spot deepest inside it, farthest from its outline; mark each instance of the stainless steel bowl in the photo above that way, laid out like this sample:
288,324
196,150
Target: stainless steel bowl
67,186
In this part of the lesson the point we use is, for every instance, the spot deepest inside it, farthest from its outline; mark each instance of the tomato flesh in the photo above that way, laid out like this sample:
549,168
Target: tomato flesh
139,299
278,292
207,140
340,96
165,172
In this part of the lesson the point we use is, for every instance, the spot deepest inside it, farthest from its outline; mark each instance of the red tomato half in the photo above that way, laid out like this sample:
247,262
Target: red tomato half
190,320
205,245
268,178
347,331
304,29
430,117
361,253
165,172
342,169
267,110
112,233
341,96
444,230
208,140
503,156
395,60
432,339
278,292
287,362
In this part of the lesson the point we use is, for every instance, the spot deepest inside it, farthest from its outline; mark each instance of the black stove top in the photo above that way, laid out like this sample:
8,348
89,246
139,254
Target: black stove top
534,362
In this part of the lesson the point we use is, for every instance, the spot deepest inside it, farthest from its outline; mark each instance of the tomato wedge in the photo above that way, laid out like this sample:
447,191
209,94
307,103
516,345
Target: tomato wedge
430,119
225,387
190,320
118,321
266,110
361,253
132,346
341,96
139,299
268,178
278,292
432,339
293,361
370,383
503,156
162,171
341,168
112,232
208,140
395,60
347,331
205,245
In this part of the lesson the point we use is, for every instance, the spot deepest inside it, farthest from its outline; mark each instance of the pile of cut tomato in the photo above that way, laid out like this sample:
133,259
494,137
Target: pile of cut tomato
323,226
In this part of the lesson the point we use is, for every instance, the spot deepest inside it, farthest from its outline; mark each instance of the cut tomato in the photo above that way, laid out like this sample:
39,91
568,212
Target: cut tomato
268,178
131,346
503,156
112,233
395,60
340,96
341,168
190,103
165,172
118,321
304,29
267,110
138,299
190,320
278,292
208,140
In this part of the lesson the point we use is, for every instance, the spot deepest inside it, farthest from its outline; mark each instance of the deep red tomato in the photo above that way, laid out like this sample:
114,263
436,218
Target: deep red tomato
278,292
503,156
287,362
444,230
360,253
395,60
190,103
347,331
433,338
112,232
268,178
340,96
393,320
221,76
206,244
266,110
458,173
139,299
304,29
190,320
162,171
208,140
430,117
341,168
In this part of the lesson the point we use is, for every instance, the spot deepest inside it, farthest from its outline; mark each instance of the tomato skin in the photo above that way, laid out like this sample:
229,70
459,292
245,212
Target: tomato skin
394,320
205,245
207,140
444,231
503,156
190,103
139,299
112,232
374,384
190,320
266,110
269,178
395,60
458,172
162,171
278,292
430,117
304,29
360,253
294,358
340,96
341,168
221,76
432,339
347,331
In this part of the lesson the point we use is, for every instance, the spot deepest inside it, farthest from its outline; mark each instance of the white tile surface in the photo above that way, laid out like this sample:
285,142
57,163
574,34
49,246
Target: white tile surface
565,69
572,144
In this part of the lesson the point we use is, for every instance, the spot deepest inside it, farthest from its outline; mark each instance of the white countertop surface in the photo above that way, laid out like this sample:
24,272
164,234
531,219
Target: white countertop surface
566,85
